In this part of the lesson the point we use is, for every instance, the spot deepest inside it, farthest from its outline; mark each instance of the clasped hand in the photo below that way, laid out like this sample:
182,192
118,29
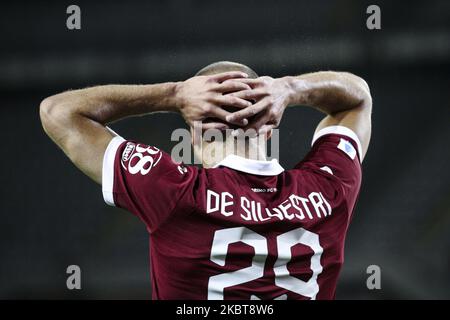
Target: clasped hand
232,100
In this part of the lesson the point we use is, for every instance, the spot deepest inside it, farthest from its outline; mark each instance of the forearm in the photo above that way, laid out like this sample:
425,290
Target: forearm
327,91
105,104
76,120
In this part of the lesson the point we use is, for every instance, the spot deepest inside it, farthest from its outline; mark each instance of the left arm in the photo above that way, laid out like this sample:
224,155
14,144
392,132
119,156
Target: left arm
76,120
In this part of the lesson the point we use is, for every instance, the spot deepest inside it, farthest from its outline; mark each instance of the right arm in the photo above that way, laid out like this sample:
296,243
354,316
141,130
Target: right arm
343,97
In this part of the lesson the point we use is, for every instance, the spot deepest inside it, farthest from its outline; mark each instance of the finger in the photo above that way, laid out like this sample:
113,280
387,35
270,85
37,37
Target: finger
248,112
222,114
265,129
252,133
228,75
214,125
244,133
232,86
259,122
252,82
249,94
229,101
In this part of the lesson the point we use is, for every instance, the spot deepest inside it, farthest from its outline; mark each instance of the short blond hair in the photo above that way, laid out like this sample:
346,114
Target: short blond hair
225,66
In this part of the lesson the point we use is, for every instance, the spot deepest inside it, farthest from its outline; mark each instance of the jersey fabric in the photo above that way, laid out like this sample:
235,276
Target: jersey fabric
245,229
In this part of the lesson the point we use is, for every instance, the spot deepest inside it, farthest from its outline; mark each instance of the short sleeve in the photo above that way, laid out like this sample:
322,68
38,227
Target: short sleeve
336,151
144,180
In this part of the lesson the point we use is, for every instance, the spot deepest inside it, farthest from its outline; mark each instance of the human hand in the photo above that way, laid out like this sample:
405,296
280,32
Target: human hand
270,98
202,97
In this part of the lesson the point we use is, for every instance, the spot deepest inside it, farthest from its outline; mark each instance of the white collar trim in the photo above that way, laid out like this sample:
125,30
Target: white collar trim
258,167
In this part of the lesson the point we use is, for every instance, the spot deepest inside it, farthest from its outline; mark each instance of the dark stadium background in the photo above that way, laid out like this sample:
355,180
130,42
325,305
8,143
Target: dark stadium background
52,216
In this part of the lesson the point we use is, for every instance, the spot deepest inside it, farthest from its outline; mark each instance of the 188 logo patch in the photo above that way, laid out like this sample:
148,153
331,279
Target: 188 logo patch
141,159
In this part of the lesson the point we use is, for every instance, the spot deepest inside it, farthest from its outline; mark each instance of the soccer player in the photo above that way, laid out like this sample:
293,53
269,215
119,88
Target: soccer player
240,227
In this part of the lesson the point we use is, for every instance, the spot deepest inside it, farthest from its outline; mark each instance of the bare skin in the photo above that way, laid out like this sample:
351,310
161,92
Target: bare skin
76,120
343,97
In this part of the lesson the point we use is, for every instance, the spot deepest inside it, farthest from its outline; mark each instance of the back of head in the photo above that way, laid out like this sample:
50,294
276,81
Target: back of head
213,150
225,66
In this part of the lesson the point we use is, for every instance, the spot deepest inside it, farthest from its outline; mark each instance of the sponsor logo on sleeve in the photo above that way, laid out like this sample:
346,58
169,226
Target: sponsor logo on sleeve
140,158
347,147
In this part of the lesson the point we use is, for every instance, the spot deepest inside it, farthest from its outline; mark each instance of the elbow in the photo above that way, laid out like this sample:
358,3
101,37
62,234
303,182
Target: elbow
364,86
47,110
363,89
52,114
366,95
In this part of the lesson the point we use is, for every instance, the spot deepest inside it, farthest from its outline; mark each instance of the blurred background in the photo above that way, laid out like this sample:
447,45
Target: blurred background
52,216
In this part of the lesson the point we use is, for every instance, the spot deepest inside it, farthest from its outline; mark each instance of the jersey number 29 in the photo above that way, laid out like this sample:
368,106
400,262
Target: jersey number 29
223,238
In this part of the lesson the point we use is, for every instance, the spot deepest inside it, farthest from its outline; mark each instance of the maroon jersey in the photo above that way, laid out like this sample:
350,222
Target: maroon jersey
245,229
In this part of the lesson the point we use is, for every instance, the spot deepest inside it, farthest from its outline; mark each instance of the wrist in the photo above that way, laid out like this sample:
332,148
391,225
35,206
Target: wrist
297,89
153,97
160,97
288,82
177,99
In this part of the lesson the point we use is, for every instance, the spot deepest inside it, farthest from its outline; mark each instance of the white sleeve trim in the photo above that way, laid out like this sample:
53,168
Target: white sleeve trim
108,169
339,130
